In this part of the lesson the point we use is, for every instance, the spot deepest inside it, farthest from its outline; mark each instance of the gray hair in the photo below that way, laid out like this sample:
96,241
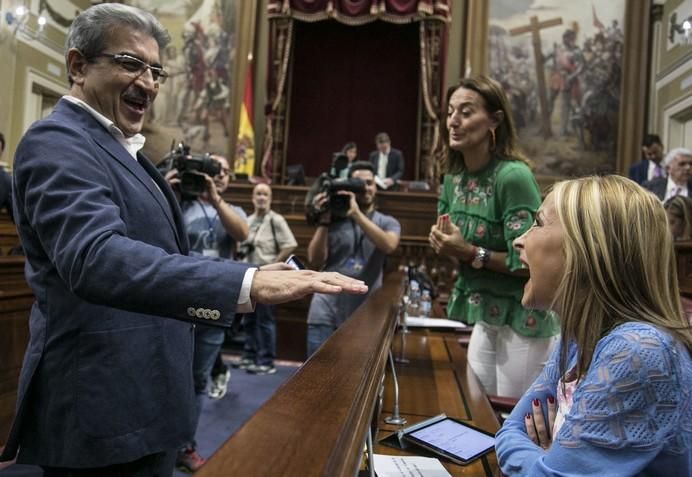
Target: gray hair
90,31
678,151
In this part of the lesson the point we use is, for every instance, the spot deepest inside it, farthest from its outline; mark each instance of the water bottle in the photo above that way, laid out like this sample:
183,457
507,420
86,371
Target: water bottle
425,303
413,298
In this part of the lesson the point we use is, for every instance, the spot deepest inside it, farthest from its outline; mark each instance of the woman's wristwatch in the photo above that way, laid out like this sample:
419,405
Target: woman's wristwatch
481,258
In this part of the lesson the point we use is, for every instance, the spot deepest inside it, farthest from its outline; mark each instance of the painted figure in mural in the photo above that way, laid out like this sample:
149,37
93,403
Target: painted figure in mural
213,103
167,103
518,84
221,57
568,64
600,78
196,67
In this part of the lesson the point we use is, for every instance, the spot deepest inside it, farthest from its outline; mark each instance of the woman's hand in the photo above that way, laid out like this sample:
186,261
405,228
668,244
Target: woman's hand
536,428
450,244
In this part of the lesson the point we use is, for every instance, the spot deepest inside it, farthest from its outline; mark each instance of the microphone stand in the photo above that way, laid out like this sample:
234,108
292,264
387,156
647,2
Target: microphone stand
395,418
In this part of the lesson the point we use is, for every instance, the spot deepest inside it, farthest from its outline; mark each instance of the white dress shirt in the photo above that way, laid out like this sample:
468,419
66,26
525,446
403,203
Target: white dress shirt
382,165
651,173
672,189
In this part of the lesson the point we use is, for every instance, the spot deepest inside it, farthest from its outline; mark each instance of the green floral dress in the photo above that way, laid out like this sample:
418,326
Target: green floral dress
492,207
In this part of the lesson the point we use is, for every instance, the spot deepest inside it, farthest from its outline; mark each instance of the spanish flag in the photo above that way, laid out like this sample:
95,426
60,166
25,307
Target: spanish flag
245,146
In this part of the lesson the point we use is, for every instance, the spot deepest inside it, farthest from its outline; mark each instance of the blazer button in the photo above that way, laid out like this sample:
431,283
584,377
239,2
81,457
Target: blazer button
207,314
215,314
191,312
199,312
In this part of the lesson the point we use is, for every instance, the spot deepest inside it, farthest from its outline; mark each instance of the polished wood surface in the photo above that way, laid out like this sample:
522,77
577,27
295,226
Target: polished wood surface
437,379
316,423
16,299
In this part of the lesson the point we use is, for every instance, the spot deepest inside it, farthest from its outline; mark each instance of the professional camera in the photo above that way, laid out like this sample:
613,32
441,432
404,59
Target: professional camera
245,249
191,169
337,204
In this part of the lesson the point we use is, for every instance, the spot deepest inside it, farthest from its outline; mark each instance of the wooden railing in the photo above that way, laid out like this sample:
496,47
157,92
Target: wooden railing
317,422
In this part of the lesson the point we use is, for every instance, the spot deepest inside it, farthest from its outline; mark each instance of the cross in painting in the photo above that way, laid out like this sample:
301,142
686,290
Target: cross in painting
535,27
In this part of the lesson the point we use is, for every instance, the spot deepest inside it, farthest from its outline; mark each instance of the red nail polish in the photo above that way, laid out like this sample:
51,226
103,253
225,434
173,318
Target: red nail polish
528,417
551,399
536,403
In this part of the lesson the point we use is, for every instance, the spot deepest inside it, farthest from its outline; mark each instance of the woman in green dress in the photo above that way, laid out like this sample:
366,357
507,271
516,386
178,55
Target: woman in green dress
491,197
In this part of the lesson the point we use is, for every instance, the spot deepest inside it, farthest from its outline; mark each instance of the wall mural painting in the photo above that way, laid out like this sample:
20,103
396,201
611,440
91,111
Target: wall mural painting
194,103
560,64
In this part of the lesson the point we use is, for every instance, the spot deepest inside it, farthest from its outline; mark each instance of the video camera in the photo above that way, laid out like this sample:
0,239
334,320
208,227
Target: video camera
191,168
330,183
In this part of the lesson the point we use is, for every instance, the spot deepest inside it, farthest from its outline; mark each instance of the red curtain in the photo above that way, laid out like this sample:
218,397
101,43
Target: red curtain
360,11
348,84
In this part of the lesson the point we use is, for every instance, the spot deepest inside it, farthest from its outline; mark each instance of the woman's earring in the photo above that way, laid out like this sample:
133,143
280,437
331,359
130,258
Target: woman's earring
492,139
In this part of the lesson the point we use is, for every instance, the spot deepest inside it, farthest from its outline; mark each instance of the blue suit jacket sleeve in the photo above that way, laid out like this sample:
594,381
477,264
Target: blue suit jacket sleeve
89,219
639,171
396,166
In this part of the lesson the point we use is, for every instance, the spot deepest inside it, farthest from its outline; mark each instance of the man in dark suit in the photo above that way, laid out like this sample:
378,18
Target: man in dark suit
5,183
650,166
678,164
387,161
106,386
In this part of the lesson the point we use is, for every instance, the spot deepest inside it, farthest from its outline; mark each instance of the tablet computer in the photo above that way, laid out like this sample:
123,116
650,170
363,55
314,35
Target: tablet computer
450,438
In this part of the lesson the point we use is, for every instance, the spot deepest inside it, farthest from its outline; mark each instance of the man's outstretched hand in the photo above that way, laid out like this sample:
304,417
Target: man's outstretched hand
274,287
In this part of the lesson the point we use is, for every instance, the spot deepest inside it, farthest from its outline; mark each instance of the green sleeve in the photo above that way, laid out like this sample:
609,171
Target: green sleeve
519,199
443,203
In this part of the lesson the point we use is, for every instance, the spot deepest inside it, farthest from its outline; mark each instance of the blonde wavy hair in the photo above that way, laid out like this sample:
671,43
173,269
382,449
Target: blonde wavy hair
620,264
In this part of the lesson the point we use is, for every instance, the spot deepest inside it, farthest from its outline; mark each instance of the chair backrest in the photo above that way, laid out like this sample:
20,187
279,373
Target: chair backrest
295,174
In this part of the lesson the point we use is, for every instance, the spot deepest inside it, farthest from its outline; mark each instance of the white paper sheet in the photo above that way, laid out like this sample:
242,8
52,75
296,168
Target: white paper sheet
424,322
408,466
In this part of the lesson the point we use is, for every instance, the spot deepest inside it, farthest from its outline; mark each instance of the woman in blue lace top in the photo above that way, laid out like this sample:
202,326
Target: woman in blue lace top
616,396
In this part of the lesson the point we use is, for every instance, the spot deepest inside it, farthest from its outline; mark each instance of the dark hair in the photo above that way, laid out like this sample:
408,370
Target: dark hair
92,29
361,166
2,142
349,145
494,100
651,139
382,137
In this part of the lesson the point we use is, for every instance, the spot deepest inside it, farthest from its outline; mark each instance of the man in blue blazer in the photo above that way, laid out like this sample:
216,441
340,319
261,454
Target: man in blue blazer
387,161
650,166
106,386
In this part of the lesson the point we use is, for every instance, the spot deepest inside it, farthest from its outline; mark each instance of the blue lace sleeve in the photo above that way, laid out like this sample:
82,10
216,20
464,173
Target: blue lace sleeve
513,446
625,411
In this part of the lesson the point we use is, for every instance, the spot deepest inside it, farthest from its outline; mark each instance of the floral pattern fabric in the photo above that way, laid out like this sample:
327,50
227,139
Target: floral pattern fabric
492,207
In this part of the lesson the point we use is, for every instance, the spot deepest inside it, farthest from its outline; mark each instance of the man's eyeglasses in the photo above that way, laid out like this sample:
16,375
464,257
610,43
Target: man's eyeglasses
136,66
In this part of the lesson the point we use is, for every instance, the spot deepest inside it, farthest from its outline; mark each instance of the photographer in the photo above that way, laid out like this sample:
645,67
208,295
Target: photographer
213,227
270,240
355,246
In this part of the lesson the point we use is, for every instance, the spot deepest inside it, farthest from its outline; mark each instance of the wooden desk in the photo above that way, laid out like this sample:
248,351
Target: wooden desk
316,422
437,379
